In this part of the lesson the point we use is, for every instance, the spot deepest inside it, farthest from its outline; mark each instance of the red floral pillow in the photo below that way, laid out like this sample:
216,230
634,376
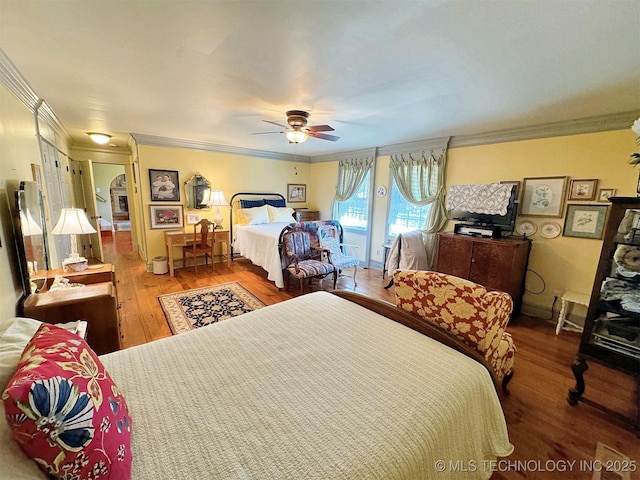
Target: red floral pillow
66,412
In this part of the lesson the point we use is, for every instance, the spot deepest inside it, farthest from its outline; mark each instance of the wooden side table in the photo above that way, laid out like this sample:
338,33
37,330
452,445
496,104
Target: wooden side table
95,303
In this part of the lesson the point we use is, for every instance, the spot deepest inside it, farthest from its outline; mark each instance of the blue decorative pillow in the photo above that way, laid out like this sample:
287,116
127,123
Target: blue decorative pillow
251,203
275,202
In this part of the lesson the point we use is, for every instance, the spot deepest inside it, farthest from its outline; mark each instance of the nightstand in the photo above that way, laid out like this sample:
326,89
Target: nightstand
306,215
95,303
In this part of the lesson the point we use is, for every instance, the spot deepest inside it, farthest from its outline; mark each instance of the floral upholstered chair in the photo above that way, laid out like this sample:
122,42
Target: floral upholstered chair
338,252
301,261
465,309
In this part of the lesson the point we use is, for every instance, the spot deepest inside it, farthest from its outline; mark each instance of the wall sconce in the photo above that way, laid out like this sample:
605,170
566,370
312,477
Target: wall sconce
73,221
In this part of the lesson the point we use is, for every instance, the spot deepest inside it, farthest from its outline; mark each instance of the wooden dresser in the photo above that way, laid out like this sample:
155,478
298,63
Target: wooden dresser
306,215
96,303
496,263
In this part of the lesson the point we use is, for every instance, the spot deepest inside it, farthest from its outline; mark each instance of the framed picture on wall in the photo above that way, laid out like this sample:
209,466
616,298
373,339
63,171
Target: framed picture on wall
585,221
166,216
583,189
604,194
543,196
164,185
296,192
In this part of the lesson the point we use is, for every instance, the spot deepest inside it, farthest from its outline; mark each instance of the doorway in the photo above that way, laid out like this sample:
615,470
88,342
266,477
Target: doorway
113,207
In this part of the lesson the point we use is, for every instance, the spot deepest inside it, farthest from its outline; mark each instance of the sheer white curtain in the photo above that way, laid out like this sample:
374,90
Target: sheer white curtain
420,178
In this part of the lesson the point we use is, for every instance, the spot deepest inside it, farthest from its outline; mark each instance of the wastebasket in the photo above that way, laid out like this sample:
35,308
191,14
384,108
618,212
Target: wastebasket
160,265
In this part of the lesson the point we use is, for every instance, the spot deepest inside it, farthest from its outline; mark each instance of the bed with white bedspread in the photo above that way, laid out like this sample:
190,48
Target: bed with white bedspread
317,387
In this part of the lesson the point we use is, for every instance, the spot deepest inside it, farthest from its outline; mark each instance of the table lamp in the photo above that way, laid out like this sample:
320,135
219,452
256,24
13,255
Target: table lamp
73,221
216,199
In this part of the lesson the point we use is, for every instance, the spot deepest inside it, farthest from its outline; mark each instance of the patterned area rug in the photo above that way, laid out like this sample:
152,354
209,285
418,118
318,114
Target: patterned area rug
196,308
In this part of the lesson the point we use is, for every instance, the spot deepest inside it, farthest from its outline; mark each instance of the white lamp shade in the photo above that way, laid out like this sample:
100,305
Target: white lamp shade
29,225
216,199
72,221
206,197
296,136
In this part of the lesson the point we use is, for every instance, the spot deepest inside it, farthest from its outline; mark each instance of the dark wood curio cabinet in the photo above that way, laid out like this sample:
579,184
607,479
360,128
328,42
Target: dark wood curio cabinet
611,333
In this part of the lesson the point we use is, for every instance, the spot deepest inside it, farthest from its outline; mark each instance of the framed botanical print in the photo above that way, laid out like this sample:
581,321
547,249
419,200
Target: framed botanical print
585,221
582,189
604,194
164,185
543,196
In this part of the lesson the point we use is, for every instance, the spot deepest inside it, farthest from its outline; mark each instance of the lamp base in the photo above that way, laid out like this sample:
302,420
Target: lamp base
74,264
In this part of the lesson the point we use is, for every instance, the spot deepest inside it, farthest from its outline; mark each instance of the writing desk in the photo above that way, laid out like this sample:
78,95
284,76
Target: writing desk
173,239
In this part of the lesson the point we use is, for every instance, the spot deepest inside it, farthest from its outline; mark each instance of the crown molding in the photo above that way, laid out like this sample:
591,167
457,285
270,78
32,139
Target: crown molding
437,144
334,157
80,147
155,141
15,83
602,123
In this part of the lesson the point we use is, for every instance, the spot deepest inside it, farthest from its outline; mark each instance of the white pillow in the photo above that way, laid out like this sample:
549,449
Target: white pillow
15,333
253,216
280,214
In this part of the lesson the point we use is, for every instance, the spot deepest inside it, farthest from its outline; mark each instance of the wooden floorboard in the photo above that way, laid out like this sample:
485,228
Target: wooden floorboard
546,431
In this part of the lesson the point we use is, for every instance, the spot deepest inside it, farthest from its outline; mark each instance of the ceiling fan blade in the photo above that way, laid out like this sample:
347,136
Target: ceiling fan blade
263,133
275,123
320,128
324,136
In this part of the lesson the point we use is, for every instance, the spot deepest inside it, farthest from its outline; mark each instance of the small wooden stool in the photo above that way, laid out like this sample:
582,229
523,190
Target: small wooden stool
568,298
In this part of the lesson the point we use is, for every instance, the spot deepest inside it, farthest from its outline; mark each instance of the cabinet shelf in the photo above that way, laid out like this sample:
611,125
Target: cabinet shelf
611,333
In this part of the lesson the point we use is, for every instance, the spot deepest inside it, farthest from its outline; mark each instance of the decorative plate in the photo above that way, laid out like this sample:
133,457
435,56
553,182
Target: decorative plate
382,191
526,228
550,230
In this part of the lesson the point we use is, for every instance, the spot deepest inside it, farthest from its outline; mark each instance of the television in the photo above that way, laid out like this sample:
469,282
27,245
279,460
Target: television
506,223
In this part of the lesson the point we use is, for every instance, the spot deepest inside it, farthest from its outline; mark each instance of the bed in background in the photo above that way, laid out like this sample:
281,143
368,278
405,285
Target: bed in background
323,386
259,242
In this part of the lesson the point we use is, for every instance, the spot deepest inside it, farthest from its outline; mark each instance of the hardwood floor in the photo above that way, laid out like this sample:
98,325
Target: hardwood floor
548,433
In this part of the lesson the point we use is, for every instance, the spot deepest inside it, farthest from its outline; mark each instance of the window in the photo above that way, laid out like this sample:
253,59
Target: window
354,213
404,216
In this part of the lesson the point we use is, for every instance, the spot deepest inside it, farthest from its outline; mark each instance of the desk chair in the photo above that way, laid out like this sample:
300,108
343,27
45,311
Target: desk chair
202,246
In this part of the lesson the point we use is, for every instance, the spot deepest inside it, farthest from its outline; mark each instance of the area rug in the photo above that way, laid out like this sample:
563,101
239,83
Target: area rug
199,307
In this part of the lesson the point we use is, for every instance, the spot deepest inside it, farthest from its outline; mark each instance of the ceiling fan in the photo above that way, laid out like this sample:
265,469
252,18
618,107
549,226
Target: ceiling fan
298,132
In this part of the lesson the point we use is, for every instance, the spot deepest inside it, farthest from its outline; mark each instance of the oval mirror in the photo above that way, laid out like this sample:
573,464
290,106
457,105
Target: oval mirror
195,189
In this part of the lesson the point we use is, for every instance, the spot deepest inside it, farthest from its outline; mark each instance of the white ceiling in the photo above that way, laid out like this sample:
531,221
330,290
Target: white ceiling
379,72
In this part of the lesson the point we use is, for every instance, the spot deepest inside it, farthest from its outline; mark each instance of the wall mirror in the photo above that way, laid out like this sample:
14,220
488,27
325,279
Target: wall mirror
31,237
195,189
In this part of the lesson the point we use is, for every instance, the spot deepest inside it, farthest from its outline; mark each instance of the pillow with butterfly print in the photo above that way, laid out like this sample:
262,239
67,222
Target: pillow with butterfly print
65,411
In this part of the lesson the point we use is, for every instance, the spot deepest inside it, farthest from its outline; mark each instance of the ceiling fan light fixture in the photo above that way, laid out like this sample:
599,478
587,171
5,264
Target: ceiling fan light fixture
296,136
99,138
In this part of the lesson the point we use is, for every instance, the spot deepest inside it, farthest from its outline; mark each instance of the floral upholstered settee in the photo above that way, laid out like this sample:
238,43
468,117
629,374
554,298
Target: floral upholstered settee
465,309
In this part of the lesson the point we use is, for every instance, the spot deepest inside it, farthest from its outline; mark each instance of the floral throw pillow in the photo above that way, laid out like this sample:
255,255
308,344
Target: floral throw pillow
65,411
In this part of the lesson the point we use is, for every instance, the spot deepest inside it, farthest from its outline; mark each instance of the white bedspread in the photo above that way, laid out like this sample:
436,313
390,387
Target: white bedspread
259,243
311,388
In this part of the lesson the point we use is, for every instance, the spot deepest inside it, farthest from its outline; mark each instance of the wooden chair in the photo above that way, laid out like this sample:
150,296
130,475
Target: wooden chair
203,243
301,261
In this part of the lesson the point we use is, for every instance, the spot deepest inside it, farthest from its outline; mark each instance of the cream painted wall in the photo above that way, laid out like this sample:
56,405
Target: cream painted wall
560,264
227,172
18,150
